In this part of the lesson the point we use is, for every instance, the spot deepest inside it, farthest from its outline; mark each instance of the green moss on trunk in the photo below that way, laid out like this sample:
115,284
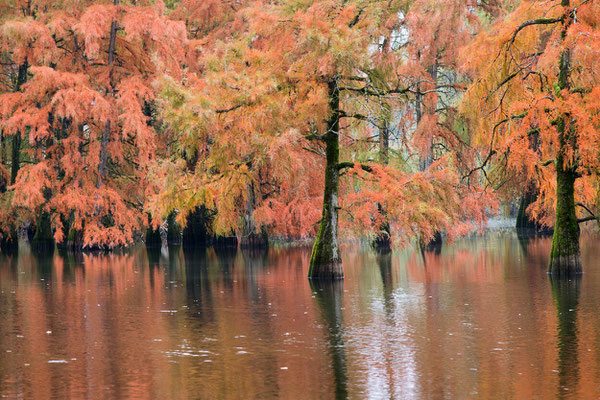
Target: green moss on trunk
565,257
325,260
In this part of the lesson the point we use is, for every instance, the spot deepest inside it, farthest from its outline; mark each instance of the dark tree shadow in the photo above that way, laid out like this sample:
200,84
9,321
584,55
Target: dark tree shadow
328,295
566,297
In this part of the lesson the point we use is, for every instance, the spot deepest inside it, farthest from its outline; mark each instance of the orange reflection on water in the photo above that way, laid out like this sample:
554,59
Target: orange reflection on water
478,319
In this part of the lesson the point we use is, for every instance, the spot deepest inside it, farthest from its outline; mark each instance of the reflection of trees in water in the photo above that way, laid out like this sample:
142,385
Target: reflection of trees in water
566,297
255,259
226,263
197,281
328,295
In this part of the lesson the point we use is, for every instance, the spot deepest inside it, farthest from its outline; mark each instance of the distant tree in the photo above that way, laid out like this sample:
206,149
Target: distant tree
277,106
85,111
533,109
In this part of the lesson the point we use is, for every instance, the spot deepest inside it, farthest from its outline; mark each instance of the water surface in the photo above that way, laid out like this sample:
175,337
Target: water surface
479,319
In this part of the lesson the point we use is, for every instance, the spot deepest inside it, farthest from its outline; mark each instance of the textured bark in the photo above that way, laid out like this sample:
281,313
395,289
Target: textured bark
325,261
565,256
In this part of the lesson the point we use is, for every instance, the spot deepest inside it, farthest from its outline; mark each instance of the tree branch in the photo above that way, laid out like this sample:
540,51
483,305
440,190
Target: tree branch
539,21
350,164
226,110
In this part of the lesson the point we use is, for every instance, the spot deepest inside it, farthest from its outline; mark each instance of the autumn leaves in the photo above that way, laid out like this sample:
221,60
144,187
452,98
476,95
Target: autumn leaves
292,118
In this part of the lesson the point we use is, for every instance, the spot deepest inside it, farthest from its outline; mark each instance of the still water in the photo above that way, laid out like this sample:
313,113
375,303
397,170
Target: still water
480,319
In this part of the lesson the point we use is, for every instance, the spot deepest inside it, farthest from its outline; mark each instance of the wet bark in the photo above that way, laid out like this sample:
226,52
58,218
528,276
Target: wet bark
325,260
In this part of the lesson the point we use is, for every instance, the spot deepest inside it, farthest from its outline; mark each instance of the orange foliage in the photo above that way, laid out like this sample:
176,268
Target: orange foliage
242,129
515,102
84,102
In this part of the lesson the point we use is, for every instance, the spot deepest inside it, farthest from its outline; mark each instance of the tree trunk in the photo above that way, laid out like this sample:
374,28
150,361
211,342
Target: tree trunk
565,257
16,157
383,240
325,261
435,244
103,164
16,140
525,224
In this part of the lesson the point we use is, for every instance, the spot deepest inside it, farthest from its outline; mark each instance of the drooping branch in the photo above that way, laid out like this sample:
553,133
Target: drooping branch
538,21
226,110
591,217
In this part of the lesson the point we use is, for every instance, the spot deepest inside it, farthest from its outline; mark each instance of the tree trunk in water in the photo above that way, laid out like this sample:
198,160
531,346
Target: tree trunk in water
325,261
565,257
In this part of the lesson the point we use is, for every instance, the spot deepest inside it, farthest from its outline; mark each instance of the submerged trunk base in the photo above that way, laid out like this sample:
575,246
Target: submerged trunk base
565,265
328,271
565,256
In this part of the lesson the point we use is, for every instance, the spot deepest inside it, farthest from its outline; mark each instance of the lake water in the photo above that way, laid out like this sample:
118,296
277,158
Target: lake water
479,319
